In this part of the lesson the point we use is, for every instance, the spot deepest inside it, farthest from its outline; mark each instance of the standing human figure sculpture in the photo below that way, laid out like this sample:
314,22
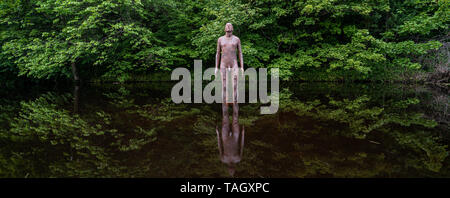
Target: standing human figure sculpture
227,46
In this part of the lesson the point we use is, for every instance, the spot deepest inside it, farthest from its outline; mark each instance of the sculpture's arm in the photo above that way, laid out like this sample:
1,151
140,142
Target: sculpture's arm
241,59
242,140
219,143
218,54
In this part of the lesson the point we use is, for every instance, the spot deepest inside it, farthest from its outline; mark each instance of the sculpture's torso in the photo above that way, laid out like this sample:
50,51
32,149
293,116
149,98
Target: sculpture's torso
228,46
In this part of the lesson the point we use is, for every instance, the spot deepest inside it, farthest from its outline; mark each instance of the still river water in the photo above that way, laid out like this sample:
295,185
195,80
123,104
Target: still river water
135,130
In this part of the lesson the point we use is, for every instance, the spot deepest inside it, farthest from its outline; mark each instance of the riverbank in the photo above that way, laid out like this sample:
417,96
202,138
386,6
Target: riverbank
440,78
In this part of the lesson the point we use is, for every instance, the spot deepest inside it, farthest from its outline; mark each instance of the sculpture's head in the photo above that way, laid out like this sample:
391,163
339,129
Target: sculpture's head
228,28
231,168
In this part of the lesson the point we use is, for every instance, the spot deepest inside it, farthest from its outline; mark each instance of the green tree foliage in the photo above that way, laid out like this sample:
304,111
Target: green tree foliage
306,39
114,38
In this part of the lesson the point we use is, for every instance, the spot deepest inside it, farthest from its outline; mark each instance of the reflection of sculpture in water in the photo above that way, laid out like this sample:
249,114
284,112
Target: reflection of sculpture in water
227,46
231,147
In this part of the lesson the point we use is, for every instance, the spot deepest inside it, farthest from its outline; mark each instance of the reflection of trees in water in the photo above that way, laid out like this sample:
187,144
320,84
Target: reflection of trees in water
59,143
328,134
437,108
353,137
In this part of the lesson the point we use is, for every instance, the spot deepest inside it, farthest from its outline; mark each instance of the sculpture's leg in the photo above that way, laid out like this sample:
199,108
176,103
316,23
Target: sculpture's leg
224,84
235,84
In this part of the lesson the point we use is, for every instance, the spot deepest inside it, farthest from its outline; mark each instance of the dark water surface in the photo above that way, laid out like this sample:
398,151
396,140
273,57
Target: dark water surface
135,130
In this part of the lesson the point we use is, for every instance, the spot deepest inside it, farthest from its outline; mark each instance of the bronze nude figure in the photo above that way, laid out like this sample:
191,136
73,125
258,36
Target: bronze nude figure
231,140
227,46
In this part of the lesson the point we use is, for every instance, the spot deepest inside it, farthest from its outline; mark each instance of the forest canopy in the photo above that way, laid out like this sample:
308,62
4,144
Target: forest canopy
306,39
